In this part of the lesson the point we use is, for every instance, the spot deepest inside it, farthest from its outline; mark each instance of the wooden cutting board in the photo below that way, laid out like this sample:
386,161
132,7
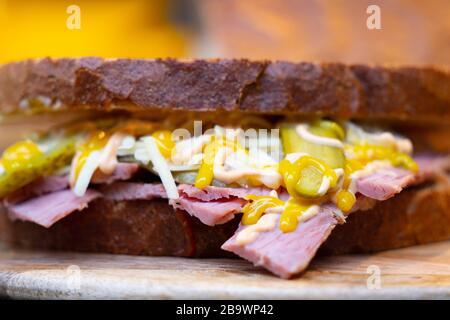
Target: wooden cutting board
421,272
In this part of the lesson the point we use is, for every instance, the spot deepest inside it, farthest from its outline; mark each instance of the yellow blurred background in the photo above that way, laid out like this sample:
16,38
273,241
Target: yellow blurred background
135,28
413,31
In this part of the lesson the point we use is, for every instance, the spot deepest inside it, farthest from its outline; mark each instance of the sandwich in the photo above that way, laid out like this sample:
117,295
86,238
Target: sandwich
273,162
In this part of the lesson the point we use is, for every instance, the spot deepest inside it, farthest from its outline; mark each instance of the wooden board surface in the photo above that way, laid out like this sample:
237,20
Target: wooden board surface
410,273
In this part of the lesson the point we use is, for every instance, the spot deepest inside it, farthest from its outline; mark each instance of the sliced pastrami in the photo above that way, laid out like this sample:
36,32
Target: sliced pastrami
385,183
214,193
431,165
123,191
210,213
286,254
123,172
37,188
48,209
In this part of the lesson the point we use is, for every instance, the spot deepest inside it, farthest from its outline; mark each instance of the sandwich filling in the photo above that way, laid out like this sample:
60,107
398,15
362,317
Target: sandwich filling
291,184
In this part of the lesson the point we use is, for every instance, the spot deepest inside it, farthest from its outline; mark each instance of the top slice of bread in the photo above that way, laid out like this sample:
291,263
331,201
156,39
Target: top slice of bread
405,94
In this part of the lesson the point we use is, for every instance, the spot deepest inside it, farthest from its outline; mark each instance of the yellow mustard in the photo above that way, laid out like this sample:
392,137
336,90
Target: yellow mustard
256,206
405,161
304,177
20,155
205,174
294,209
345,200
96,141
365,153
164,142
330,127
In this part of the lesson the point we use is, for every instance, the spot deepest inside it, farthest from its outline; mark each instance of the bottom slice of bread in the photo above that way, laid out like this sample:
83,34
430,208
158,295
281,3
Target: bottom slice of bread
415,216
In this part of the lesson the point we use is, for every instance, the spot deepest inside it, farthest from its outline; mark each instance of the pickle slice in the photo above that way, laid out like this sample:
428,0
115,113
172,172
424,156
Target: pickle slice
309,182
292,143
331,128
304,177
59,155
185,177
189,177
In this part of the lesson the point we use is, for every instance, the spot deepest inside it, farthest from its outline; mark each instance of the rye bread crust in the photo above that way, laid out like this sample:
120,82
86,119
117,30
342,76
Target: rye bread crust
306,89
415,216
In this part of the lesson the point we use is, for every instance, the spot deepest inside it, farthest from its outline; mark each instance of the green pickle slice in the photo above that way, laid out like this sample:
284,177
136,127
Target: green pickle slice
309,182
185,177
188,177
332,156
59,155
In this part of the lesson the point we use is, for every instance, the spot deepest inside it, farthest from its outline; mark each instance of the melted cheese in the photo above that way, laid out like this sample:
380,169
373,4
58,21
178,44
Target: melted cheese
161,167
87,171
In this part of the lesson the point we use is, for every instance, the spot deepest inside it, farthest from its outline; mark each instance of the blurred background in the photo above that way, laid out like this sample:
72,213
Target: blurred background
412,31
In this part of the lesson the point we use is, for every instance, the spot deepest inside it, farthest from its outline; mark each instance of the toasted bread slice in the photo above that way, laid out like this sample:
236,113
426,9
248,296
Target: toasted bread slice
303,89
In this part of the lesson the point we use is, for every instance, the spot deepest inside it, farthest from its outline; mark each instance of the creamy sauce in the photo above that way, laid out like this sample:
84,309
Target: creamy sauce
324,186
72,174
277,210
266,223
186,149
340,178
273,193
292,157
228,176
302,130
269,177
309,213
339,172
108,159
